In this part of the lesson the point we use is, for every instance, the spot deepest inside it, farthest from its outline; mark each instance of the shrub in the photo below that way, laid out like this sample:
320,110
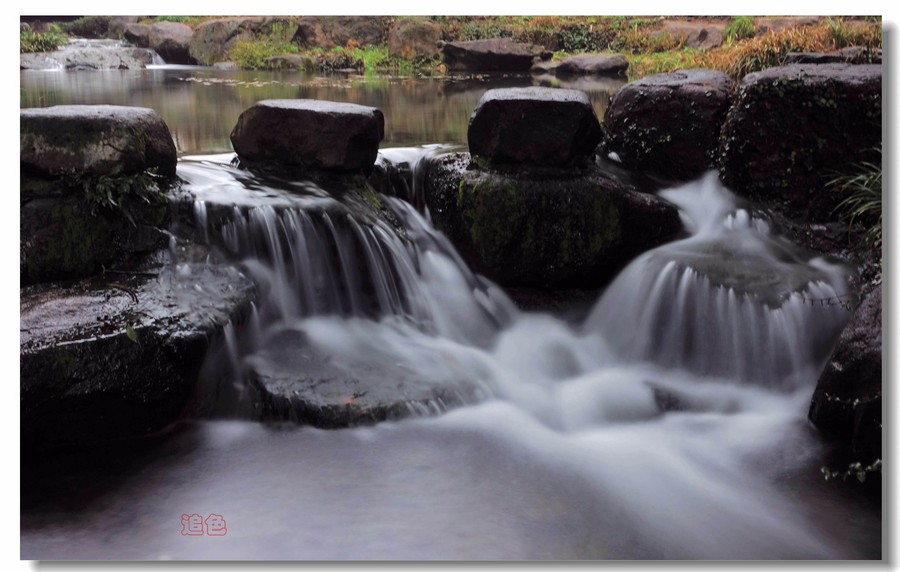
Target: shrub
31,41
87,27
862,203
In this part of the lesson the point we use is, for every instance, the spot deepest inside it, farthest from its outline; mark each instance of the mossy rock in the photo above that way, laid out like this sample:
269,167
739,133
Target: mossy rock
792,129
549,229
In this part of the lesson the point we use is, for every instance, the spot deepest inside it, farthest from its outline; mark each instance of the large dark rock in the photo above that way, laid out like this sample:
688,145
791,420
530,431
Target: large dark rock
337,31
533,125
414,38
100,363
791,129
592,64
137,34
500,54
846,405
309,134
172,41
293,380
669,123
118,25
551,228
211,41
86,140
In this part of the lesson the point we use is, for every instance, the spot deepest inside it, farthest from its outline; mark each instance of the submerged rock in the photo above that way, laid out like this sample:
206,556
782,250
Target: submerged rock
499,54
296,381
846,405
792,129
309,134
669,123
559,228
533,125
118,358
94,140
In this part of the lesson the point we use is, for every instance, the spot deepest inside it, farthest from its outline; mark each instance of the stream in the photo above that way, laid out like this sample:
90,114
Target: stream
668,422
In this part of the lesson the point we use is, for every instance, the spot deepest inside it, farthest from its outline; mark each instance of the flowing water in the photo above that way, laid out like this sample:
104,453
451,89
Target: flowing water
669,423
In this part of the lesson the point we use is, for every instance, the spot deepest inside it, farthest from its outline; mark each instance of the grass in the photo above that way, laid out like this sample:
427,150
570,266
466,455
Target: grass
862,203
31,41
740,28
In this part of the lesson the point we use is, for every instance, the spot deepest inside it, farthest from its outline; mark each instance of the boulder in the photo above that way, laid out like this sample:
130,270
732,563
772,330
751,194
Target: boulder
792,128
592,64
533,125
337,31
101,363
501,54
118,25
560,228
775,24
211,41
89,140
309,134
669,123
290,62
81,56
414,38
846,406
700,35
172,41
137,34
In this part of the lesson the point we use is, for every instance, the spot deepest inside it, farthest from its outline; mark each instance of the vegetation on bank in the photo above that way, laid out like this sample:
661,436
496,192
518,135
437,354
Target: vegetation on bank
863,196
31,41
648,48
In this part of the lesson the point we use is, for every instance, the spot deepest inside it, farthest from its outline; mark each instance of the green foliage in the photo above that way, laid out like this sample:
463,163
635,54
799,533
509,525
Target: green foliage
863,198
252,54
837,32
31,41
123,193
740,28
87,27
177,19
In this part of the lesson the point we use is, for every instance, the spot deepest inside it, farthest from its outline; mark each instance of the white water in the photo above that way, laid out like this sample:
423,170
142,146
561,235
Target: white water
571,457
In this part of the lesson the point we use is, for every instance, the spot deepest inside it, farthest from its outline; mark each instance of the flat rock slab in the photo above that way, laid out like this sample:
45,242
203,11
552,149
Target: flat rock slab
592,64
293,380
100,363
557,229
793,127
669,123
533,125
94,140
309,134
498,54
89,55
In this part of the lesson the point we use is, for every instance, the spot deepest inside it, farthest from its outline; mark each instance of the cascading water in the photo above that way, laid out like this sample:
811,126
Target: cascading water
670,424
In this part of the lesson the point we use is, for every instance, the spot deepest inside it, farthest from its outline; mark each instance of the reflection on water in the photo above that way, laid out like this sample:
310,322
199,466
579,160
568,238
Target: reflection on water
202,105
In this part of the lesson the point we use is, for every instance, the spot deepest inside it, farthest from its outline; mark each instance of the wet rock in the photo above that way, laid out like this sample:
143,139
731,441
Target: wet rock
533,125
846,405
775,24
211,41
172,40
337,31
700,35
792,128
88,55
499,54
592,64
293,380
83,140
100,363
851,55
669,123
546,228
309,134
414,38
290,62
